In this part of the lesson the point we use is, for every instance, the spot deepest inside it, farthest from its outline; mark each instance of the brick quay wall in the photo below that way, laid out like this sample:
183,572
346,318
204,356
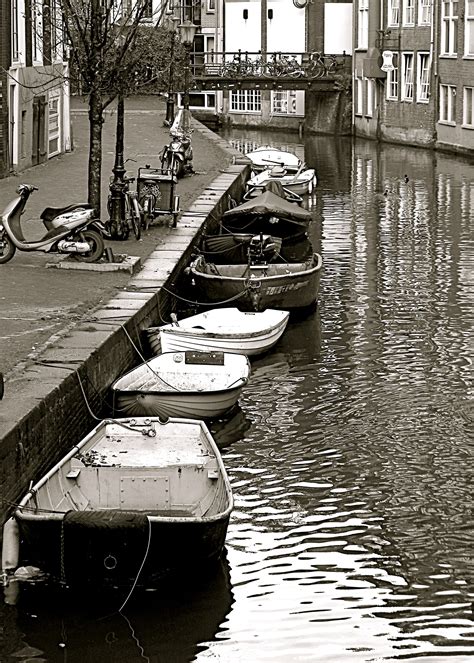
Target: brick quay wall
59,396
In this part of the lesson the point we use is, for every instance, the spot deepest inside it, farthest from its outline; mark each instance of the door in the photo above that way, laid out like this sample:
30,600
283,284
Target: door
38,147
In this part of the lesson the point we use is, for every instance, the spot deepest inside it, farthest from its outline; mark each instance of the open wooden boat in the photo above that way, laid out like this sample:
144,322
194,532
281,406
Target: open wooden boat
302,182
198,385
266,156
221,329
256,287
134,500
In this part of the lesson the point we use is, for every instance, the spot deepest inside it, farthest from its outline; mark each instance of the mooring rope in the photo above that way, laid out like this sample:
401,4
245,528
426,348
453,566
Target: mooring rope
141,567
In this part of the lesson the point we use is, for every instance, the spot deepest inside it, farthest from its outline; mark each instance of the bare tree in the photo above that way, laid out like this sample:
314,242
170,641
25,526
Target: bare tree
114,48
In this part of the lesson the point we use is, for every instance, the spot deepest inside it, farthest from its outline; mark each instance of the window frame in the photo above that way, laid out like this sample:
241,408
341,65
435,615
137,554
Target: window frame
468,124
245,99
408,13
393,79
363,25
423,77
447,100
468,30
424,12
405,83
393,15
449,28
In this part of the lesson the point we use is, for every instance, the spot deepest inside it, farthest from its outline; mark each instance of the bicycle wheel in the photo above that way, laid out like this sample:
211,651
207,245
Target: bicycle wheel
148,203
135,219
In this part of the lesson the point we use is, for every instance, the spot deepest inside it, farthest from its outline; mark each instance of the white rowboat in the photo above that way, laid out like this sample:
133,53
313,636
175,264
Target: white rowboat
135,499
198,385
224,330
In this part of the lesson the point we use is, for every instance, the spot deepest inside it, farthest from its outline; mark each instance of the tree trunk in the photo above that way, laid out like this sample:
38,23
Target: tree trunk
95,150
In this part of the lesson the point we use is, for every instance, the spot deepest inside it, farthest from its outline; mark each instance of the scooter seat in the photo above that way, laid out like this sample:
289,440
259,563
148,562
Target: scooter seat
50,213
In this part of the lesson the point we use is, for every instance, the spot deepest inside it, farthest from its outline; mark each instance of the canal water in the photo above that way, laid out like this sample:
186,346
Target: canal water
351,456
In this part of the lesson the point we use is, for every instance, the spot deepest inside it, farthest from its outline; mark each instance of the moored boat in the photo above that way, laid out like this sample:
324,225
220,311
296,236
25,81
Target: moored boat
222,329
134,500
199,385
256,287
267,156
301,182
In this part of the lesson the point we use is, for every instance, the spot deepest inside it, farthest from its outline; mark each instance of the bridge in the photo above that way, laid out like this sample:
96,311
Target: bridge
276,70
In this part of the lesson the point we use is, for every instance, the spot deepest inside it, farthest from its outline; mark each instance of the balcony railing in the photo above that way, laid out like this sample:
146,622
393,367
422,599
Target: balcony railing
248,65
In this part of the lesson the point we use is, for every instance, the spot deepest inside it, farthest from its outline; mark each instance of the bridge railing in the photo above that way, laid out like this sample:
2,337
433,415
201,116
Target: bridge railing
248,64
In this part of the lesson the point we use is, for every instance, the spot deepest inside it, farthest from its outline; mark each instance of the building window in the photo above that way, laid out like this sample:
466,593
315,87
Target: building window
424,12
147,10
370,97
359,97
393,78
407,76
468,107
15,52
408,12
447,104
37,28
394,12
469,29
423,77
211,6
284,102
246,101
449,27
53,124
363,24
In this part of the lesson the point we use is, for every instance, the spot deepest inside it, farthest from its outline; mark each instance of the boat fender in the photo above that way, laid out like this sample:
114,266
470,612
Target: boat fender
10,546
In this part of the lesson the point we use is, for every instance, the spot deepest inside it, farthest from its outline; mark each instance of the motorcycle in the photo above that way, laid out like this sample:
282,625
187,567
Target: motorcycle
177,157
73,229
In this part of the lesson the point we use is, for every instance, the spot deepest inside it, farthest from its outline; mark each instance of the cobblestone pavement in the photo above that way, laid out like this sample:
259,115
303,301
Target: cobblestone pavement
37,302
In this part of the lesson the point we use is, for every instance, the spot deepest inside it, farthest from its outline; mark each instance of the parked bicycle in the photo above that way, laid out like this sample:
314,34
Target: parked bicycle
319,65
131,217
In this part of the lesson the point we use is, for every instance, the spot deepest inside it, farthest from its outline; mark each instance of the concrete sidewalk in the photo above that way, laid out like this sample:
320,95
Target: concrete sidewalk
37,303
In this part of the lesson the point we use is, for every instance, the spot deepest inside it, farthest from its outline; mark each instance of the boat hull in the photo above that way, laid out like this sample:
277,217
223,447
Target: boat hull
194,405
286,286
297,183
135,500
194,384
105,548
266,156
236,333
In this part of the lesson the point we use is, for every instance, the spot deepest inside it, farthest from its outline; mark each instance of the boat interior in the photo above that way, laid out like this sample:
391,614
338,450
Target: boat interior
174,474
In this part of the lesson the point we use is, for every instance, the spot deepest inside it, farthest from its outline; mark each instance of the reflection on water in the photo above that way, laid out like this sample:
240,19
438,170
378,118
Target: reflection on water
168,624
351,456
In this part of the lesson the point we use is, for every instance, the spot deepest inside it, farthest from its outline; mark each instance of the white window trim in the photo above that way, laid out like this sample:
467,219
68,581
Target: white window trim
210,10
425,7
449,25
363,25
449,90
394,6
369,107
419,82
409,23
465,124
403,83
390,74
359,105
468,29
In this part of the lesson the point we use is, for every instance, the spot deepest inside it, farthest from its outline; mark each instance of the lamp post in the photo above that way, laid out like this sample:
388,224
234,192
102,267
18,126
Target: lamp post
187,31
170,102
117,204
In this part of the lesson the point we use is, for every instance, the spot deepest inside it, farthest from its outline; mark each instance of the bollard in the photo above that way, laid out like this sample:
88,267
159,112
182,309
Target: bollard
109,254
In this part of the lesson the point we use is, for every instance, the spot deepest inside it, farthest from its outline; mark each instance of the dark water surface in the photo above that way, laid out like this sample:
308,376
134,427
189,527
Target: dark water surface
351,459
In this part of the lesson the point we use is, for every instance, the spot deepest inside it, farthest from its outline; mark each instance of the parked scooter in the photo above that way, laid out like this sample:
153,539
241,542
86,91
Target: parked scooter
73,229
177,156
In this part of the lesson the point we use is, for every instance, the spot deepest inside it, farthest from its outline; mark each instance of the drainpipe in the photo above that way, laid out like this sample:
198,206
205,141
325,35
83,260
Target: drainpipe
434,50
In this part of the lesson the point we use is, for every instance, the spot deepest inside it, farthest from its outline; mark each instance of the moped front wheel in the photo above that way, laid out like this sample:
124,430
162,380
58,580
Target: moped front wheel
7,249
96,244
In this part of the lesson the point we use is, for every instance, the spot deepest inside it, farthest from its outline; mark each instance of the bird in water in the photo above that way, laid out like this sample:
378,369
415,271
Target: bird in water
406,178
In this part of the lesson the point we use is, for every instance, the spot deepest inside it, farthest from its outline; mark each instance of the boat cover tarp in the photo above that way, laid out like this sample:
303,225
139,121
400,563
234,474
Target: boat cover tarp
269,204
